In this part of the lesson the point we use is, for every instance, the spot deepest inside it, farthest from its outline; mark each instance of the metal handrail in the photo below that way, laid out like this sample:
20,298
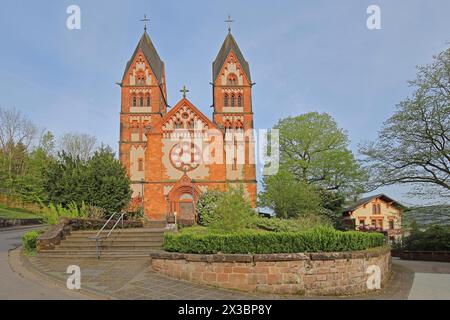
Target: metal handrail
98,237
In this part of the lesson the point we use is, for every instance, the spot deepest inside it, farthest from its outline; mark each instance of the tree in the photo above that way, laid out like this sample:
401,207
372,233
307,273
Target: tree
78,145
317,169
413,146
109,183
289,197
100,181
31,186
316,151
17,134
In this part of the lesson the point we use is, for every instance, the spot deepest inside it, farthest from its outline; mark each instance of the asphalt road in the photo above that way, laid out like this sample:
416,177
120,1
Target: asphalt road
431,279
21,284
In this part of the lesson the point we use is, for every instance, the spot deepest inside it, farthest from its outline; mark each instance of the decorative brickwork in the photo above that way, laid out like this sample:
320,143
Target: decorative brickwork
341,273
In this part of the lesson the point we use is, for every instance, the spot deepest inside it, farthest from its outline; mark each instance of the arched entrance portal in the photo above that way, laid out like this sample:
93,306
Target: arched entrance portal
182,201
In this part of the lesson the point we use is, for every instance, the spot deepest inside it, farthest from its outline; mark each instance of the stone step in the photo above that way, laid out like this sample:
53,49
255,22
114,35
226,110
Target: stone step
155,223
116,236
120,231
93,255
129,241
75,253
71,247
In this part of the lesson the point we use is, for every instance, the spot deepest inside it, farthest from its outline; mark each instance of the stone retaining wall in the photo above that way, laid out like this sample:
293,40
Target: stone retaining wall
342,273
442,256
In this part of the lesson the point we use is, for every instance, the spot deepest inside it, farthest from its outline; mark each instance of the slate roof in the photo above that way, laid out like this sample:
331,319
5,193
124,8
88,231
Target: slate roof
150,53
365,200
228,45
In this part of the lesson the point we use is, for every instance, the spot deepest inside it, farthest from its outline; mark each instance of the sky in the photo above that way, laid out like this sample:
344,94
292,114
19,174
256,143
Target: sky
304,56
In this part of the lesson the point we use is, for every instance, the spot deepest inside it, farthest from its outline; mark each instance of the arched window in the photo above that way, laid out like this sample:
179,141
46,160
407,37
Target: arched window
239,102
148,101
233,100
225,100
134,101
141,101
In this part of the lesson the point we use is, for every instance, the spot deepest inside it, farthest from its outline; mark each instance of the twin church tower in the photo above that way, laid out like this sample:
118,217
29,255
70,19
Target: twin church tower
164,148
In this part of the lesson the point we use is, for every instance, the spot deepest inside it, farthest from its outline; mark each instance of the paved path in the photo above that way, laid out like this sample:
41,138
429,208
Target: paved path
131,279
431,279
19,283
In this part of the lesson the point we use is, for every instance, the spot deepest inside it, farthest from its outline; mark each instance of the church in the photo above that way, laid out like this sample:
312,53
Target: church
172,154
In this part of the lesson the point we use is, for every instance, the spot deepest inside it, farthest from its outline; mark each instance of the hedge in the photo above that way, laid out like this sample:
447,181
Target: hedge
251,242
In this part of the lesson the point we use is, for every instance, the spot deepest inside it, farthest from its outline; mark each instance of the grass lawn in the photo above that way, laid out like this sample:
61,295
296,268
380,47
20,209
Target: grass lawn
12,213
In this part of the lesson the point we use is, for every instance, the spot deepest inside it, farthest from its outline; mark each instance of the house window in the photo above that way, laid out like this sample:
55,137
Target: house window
140,164
379,208
391,224
362,223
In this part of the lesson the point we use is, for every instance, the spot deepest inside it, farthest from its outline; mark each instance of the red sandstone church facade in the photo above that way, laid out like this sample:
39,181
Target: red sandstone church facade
173,154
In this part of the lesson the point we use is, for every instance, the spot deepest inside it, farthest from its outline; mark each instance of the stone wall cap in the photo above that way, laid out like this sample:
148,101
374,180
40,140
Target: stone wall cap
280,257
223,257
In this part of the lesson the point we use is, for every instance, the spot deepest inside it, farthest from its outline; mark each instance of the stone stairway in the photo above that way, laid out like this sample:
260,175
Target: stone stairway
122,243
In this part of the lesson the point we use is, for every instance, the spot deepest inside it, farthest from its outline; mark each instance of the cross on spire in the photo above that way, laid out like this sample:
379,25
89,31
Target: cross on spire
229,21
184,91
145,20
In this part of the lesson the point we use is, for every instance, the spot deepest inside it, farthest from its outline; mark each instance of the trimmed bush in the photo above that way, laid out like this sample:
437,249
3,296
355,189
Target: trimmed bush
254,242
29,240
289,225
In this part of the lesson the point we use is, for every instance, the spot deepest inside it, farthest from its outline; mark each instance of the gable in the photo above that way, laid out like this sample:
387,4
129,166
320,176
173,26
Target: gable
139,72
232,68
185,116
146,48
230,46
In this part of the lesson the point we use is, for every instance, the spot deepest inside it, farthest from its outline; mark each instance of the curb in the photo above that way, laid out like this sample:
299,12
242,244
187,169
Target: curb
24,227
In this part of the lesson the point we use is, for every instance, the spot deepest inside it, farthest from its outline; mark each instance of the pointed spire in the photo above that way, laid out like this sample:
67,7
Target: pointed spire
150,53
228,45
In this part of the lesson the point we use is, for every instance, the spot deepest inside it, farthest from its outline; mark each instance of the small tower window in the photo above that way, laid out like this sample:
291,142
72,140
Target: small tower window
233,100
239,102
225,100
232,80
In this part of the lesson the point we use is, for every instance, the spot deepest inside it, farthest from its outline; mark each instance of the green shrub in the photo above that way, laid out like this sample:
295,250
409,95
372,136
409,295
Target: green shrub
289,225
435,238
322,239
29,240
232,212
53,213
206,206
